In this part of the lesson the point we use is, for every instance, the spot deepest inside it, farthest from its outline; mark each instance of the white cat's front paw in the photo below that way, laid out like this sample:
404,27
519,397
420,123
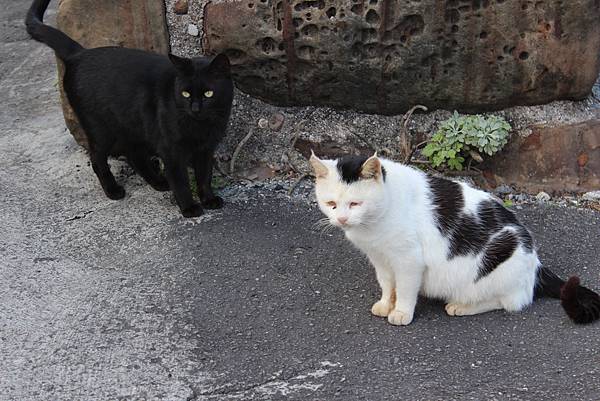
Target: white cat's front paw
381,308
400,318
453,309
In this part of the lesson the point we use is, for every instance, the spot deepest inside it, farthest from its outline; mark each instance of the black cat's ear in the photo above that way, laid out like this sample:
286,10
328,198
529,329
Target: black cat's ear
220,66
182,64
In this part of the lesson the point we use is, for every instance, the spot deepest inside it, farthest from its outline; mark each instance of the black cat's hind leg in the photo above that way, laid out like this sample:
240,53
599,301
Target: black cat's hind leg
178,179
99,160
101,141
143,165
203,170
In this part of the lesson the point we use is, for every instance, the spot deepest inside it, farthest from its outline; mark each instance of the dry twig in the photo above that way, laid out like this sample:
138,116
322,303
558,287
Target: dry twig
217,165
286,156
406,148
238,148
413,150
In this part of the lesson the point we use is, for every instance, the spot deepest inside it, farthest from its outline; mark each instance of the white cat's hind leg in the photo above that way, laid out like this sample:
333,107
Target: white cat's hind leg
458,309
513,282
518,301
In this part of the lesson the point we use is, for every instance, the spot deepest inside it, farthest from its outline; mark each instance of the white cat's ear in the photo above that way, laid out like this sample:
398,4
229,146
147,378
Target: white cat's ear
318,166
371,168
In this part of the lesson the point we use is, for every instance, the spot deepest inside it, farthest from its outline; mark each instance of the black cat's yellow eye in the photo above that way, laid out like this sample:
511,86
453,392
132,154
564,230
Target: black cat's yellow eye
185,94
208,94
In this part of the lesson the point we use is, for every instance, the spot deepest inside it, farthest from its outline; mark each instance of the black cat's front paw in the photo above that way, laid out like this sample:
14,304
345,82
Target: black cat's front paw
216,202
115,192
193,211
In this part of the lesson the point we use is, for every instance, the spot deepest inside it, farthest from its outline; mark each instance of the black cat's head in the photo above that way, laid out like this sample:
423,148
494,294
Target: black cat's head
203,86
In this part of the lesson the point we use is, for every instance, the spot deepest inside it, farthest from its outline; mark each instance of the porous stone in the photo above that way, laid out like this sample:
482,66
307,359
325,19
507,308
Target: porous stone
384,56
127,23
552,159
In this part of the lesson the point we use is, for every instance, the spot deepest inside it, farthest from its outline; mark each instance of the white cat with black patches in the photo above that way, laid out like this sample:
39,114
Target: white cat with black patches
439,238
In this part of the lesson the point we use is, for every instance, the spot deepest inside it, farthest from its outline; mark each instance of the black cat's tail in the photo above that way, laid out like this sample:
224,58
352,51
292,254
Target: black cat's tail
62,44
581,304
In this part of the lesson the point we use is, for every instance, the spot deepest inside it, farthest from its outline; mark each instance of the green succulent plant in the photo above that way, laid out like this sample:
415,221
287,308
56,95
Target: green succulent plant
462,137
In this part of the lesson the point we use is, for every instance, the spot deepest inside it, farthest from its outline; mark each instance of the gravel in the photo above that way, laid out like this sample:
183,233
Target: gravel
592,196
193,30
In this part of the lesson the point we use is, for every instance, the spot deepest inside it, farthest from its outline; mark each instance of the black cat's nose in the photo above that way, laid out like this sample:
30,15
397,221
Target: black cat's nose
195,107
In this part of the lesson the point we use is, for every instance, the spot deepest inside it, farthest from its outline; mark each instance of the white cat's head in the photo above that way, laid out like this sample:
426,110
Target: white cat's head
350,190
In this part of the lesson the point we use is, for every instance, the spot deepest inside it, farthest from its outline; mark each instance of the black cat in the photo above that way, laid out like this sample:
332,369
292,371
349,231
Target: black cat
141,105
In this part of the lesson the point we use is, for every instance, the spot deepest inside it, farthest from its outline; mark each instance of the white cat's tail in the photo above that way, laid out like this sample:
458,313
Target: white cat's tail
581,304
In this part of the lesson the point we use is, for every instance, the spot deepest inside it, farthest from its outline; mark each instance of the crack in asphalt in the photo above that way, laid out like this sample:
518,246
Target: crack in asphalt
80,216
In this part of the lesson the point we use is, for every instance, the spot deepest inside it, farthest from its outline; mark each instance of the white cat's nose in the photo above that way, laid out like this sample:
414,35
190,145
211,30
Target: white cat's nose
343,220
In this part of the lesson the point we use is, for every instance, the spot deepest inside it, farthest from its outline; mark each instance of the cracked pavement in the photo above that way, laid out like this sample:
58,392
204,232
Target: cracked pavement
127,300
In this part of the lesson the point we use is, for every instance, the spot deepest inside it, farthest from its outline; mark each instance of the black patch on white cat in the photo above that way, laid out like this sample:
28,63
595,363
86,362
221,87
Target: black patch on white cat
498,250
448,202
349,167
525,237
470,234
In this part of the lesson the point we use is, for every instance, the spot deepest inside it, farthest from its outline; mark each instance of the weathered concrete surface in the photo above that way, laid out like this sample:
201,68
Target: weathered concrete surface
138,24
384,56
552,159
103,300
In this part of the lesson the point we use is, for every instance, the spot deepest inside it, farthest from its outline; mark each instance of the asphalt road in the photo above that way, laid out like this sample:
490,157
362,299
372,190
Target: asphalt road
105,300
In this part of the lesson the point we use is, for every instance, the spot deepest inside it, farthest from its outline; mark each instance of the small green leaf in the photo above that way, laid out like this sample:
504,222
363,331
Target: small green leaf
428,150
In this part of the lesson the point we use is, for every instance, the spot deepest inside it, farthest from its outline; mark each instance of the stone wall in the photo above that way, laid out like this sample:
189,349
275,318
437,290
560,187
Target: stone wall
384,56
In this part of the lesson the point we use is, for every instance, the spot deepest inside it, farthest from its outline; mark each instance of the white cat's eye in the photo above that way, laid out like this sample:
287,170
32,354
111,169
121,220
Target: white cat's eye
352,204
331,204
186,94
209,93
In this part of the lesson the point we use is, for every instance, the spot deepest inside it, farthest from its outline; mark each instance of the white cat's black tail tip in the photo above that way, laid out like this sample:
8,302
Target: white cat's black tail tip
581,304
